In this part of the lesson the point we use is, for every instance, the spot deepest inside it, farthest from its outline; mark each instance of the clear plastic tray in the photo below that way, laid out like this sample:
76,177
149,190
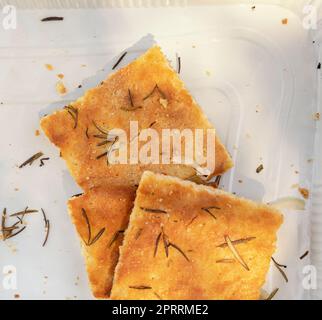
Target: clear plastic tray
255,77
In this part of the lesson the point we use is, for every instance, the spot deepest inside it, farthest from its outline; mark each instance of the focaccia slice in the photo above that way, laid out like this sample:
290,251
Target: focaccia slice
100,217
148,91
194,242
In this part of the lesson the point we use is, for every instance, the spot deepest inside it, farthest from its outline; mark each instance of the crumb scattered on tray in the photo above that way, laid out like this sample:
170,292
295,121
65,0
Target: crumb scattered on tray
37,133
285,21
60,76
317,116
304,192
60,88
49,67
17,295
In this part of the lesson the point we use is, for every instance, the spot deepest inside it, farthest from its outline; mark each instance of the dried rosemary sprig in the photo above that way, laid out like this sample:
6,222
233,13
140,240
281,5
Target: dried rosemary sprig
102,155
192,220
52,19
15,234
91,240
279,268
272,295
73,113
171,244
138,233
3,224
86,133
151,210
24,212
235,253
7,232
260,169
47,227
157,244
32,159
225,261
155,88
100,130
236,242
106,153
157,295
119,60
141,287
167,244
132,106
178,64
115,237
208,210
217,181
304,255
77,195
42,163
280,265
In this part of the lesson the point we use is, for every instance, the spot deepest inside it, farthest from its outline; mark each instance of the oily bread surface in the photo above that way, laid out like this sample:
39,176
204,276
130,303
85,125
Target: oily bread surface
196,266
107,107
107,209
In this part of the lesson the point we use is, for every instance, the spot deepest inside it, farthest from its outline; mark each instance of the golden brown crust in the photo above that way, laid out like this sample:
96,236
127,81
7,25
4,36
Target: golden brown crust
109,209
104,105
208,274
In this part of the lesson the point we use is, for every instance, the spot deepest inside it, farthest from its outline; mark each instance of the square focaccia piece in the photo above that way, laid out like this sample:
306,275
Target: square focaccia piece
147,91
100,217
188,241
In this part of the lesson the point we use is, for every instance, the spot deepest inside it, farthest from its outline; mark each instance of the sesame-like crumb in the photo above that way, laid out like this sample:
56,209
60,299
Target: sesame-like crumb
285,21
60,88
49,67
304,192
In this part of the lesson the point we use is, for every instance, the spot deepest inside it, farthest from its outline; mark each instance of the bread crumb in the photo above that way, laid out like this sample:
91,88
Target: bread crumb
37,133
49,67
304,192
285,21
60,88
17,295
60,76
317,116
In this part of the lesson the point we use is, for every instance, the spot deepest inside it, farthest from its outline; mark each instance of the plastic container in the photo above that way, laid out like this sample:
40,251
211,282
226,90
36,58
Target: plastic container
253,70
